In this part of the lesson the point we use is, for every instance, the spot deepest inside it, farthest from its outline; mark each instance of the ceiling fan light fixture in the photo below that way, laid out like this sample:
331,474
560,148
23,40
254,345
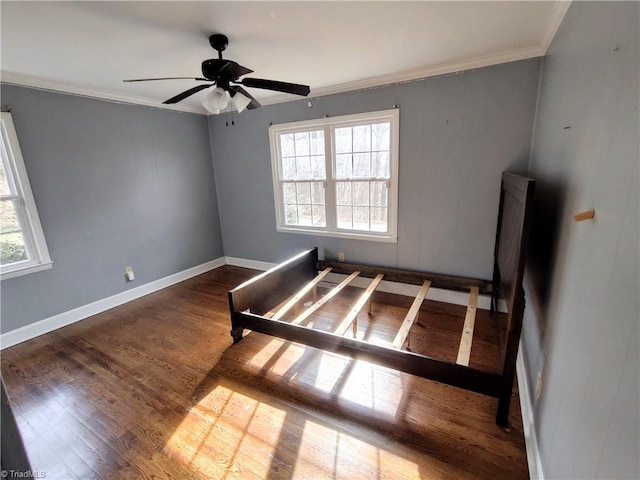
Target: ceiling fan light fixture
240,101
216,100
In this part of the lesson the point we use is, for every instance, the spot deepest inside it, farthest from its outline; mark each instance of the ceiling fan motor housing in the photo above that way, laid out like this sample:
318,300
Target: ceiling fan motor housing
225,71
211,68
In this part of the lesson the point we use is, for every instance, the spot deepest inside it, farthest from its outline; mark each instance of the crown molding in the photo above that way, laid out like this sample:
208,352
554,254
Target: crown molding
559,11
59,87
417,74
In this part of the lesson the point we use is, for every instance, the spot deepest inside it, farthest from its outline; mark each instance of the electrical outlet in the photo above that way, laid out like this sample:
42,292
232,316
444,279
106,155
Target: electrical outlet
539,385
128,272
341,257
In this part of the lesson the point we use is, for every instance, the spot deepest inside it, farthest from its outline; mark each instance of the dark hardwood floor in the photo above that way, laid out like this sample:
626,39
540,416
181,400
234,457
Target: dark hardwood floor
155,389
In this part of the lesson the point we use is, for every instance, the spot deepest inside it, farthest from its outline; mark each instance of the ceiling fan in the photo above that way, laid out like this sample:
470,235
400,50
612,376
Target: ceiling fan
225,75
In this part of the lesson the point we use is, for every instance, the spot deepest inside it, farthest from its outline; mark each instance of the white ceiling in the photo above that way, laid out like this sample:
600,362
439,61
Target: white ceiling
88,48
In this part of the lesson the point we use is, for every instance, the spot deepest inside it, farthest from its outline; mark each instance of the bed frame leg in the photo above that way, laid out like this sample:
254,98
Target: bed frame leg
504,401
236,333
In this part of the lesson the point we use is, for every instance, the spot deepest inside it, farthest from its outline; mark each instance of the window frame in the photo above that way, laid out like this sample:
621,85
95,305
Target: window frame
329,125
26,211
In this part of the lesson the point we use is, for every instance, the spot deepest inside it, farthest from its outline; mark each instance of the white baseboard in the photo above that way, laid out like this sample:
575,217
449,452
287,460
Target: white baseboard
47,325
254,264
526,405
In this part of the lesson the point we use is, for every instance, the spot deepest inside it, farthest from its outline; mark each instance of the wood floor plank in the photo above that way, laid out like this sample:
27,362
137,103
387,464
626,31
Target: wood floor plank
155,389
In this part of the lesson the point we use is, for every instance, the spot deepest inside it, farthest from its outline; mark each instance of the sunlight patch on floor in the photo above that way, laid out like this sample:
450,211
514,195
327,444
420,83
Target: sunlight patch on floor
232,435
327,453
227,433
373,387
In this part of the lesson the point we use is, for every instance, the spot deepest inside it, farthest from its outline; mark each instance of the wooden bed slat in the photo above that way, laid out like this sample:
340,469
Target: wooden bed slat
411,317
304,315
353,314
280,312
464,352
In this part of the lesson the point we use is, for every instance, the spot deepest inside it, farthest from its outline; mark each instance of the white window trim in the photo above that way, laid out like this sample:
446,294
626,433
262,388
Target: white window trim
34,235
329,124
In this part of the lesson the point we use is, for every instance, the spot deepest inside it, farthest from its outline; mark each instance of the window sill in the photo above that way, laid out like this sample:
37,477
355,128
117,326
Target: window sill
26,270
339,234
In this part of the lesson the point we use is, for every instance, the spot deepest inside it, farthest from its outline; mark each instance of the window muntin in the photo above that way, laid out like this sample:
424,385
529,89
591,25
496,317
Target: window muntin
22,245
337,176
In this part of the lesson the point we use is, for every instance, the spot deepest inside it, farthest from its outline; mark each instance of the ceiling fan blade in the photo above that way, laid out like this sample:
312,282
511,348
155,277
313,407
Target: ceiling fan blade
236,88
285,87
187,93
166,78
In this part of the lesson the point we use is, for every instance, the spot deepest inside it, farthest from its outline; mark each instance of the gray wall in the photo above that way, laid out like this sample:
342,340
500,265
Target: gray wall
457,134
115,185
581,324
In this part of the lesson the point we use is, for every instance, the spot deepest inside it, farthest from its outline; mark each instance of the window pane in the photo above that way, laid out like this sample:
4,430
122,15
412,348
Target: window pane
381,136
319,216
317,193
362,138
361,194
4,183
378,219
289,193
303,168
291,214
304,193
380,165
12,248
287,145
361,218
361,165
379,194
345,217
318,166
317,142
9,216
343,166
344,193
289,168
343,140
302,143
304,215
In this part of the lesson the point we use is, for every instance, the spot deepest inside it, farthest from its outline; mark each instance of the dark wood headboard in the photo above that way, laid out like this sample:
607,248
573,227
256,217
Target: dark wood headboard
514,224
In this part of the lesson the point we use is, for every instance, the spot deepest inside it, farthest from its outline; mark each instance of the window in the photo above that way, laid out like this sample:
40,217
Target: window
337,176
22,245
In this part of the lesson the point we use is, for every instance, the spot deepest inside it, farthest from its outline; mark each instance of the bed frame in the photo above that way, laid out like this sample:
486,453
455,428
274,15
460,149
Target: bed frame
261,303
